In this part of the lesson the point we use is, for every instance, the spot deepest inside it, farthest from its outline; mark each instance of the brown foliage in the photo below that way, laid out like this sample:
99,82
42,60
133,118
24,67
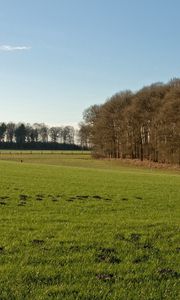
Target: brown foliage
141,125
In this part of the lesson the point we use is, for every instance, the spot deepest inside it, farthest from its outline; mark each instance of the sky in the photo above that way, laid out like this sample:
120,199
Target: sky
58,57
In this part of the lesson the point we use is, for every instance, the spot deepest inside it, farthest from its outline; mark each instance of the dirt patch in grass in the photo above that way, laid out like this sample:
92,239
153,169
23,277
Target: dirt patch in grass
22,204
4,197
87,197
140,259
38,242
120,237
2,203
39,198
135,237
167,273
138,198
51,197
97,197
82,196
107,255
147,246
40,195
75,248
105,277
23,197
125,199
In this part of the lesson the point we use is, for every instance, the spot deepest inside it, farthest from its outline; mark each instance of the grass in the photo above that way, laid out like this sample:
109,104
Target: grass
76,228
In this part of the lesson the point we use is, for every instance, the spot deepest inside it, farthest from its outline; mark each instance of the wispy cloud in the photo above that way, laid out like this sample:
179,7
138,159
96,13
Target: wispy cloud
9,48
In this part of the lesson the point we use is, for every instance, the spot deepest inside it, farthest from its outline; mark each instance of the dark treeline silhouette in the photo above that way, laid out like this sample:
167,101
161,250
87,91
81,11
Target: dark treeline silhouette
39,146
140,125
36,136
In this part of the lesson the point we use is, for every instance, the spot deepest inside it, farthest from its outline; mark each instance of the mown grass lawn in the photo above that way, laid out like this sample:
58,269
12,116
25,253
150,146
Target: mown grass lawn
76,228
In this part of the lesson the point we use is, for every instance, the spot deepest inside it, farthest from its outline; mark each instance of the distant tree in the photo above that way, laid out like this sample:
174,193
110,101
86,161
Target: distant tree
29,133
10,131
54,133
84,135
141,125
174,82
169,126
2,131
43,131
20,134
68,134
34,135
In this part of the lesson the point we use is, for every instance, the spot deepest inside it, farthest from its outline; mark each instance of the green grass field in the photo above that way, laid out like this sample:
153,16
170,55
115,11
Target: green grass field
76,228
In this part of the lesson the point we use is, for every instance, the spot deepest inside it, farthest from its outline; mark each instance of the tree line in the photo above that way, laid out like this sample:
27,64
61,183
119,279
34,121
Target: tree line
137,125
36,136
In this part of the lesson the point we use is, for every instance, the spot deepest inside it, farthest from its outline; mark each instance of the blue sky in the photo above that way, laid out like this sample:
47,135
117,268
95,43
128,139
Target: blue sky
58,57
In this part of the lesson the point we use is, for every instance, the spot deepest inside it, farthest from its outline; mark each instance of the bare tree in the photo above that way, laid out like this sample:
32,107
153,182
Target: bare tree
142,125
20,134
2,131
10,131
54,133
